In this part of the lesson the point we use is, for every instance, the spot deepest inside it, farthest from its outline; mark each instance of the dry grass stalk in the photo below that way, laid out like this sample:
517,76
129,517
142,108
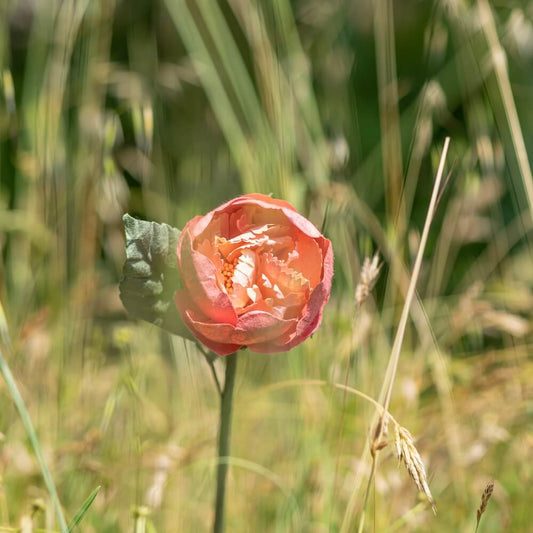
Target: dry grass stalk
498,63
390,375
485,497
408,454
381,431
369,275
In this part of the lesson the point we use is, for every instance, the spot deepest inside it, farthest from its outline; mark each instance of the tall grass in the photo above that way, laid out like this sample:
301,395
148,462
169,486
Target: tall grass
165,109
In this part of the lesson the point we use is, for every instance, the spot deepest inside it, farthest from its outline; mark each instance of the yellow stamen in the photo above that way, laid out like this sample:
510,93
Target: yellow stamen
228,268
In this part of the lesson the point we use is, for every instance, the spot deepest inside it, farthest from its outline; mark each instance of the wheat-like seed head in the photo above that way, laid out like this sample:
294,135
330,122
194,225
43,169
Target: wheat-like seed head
369,275
409,456
485,497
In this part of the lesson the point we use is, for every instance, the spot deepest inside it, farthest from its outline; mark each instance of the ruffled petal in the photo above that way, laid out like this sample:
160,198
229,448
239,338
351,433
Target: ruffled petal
199,277
189,228
268,347
184,305
288,210
263,200
312,314
307,259
260,326
253,327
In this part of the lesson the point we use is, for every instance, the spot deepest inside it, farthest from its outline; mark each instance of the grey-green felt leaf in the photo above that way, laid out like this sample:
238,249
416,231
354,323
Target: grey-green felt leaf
150,274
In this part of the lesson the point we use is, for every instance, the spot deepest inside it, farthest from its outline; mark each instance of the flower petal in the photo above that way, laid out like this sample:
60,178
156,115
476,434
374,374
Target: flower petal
184,304
288,210
307,259
263,200
199,276
312,315
253,327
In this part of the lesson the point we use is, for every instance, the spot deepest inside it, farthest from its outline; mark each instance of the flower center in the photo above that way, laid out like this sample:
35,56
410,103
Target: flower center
260,269
228,269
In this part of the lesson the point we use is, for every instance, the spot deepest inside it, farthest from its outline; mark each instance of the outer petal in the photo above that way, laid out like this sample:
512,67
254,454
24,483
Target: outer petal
306,327
198,275
260,200
272,203
255,326
260,326
312,315
268,347
202,222
184,305
187,229
309,259
265,199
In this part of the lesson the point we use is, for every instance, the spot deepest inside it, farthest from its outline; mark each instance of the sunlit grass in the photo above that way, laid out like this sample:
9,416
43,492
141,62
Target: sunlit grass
166,109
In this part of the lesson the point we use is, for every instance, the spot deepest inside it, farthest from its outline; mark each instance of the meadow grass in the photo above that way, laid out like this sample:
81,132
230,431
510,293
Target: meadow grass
164,110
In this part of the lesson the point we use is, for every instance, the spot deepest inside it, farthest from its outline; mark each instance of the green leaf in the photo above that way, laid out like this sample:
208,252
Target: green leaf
83,509
150,274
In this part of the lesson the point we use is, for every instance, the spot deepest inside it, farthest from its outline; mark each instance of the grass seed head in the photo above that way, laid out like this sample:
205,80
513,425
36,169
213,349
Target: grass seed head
369,274
409,456
485,497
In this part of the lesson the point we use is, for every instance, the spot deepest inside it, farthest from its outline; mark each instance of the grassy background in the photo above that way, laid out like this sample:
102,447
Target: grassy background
166,108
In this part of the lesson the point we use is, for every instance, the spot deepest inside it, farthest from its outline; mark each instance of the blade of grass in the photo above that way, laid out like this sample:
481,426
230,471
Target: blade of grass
486,62
273,88
386,391
216,93
83,509
236,104
391,145
390,374
498,62
241,84
233,63
428,345
26,421
300,78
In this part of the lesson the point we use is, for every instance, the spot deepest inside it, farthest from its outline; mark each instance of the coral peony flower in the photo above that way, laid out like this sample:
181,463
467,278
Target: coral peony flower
255,273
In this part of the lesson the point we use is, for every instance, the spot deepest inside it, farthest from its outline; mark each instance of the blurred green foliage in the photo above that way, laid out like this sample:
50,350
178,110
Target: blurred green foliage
165,109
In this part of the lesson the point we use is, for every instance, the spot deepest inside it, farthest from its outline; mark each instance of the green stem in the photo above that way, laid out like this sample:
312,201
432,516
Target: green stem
226,404
32,436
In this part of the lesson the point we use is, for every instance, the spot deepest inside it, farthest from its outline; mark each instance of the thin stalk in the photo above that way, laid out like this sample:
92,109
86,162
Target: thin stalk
226,405
26,420
211,364
367,495
32,436
216,92
398,340
499,64
140,515
390,374
389,115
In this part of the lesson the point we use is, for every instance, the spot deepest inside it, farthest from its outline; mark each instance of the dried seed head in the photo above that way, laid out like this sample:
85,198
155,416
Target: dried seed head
485,497
369,275
409,456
